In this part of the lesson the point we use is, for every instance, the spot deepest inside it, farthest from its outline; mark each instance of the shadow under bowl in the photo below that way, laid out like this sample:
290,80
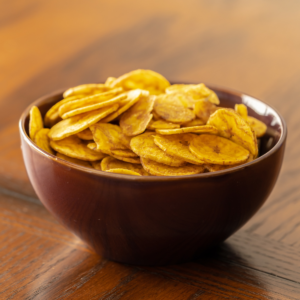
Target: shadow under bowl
156,220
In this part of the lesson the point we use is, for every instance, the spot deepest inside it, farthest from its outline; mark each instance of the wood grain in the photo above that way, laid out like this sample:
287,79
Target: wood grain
251,46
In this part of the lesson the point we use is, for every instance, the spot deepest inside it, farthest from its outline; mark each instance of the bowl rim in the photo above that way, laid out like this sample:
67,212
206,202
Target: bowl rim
151,178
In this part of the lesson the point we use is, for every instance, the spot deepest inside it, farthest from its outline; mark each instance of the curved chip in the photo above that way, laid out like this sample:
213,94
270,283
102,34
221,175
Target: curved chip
85,89
161,124
143,145
90,103
35,121
109,81
123,171
196,122
196,129
259,127
242,110
72,146
132,98
42,140
133,160
203,109
178,146
109,163
234,127
74,160
80,122
52,116
217,150
136,119
96,164
215,168
159,169
108,137
196,91
172,111
86,135
142,79
124,153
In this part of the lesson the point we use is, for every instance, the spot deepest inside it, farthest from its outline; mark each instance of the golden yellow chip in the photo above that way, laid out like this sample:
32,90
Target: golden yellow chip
80,122
109,81
196,122
107,137
73,146
259,127
196,91
142,79
159,169
133,160
132,98
161,124
52,116
234,127
86,89
96,164
156,117
215,168
86,135
214,149
123,171
172,111
35,122
74,160
109,163
42,140
91,102
143,145
136,119
196,129
93,146
123,153
242,110
203,109
178,146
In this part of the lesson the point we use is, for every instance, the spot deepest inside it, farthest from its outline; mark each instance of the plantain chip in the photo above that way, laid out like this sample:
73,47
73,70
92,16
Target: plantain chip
109,81
159,169
215,168
35,122
259,127
74,160
133,160
242,110
86,89
124,153
86,135
109,163
108,137
234,127
178,146
196,122
72,146
196,91
143,145
123,171
52,116
161,124
156,117
90,103
203,110
96,164
42,140
80,122
217,150
136,119
172,111
196,129
132,97
142,79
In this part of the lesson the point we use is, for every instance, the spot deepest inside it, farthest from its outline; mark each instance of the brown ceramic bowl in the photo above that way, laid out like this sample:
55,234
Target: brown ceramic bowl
156,220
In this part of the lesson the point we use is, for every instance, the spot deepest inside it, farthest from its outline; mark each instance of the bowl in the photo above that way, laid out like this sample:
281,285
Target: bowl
156,220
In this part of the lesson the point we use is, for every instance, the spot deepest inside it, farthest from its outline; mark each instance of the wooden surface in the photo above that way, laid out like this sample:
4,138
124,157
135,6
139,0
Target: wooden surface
252,46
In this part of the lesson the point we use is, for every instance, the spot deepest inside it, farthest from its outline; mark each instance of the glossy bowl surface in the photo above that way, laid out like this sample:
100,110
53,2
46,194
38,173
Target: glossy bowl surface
156,220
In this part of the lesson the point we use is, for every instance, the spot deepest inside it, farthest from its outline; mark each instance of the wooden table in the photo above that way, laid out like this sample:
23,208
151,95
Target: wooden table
252,46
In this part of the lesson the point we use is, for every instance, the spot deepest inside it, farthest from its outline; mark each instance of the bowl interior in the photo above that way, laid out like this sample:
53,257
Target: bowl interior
228,98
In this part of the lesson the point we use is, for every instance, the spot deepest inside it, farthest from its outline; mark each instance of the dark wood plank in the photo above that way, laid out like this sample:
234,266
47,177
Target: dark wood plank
39,259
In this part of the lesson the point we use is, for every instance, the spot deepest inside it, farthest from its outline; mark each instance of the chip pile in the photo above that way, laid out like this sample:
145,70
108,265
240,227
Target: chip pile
139,124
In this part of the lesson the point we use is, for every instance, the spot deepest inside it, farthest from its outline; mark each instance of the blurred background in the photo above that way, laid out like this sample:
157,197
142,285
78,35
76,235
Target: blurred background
251,46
